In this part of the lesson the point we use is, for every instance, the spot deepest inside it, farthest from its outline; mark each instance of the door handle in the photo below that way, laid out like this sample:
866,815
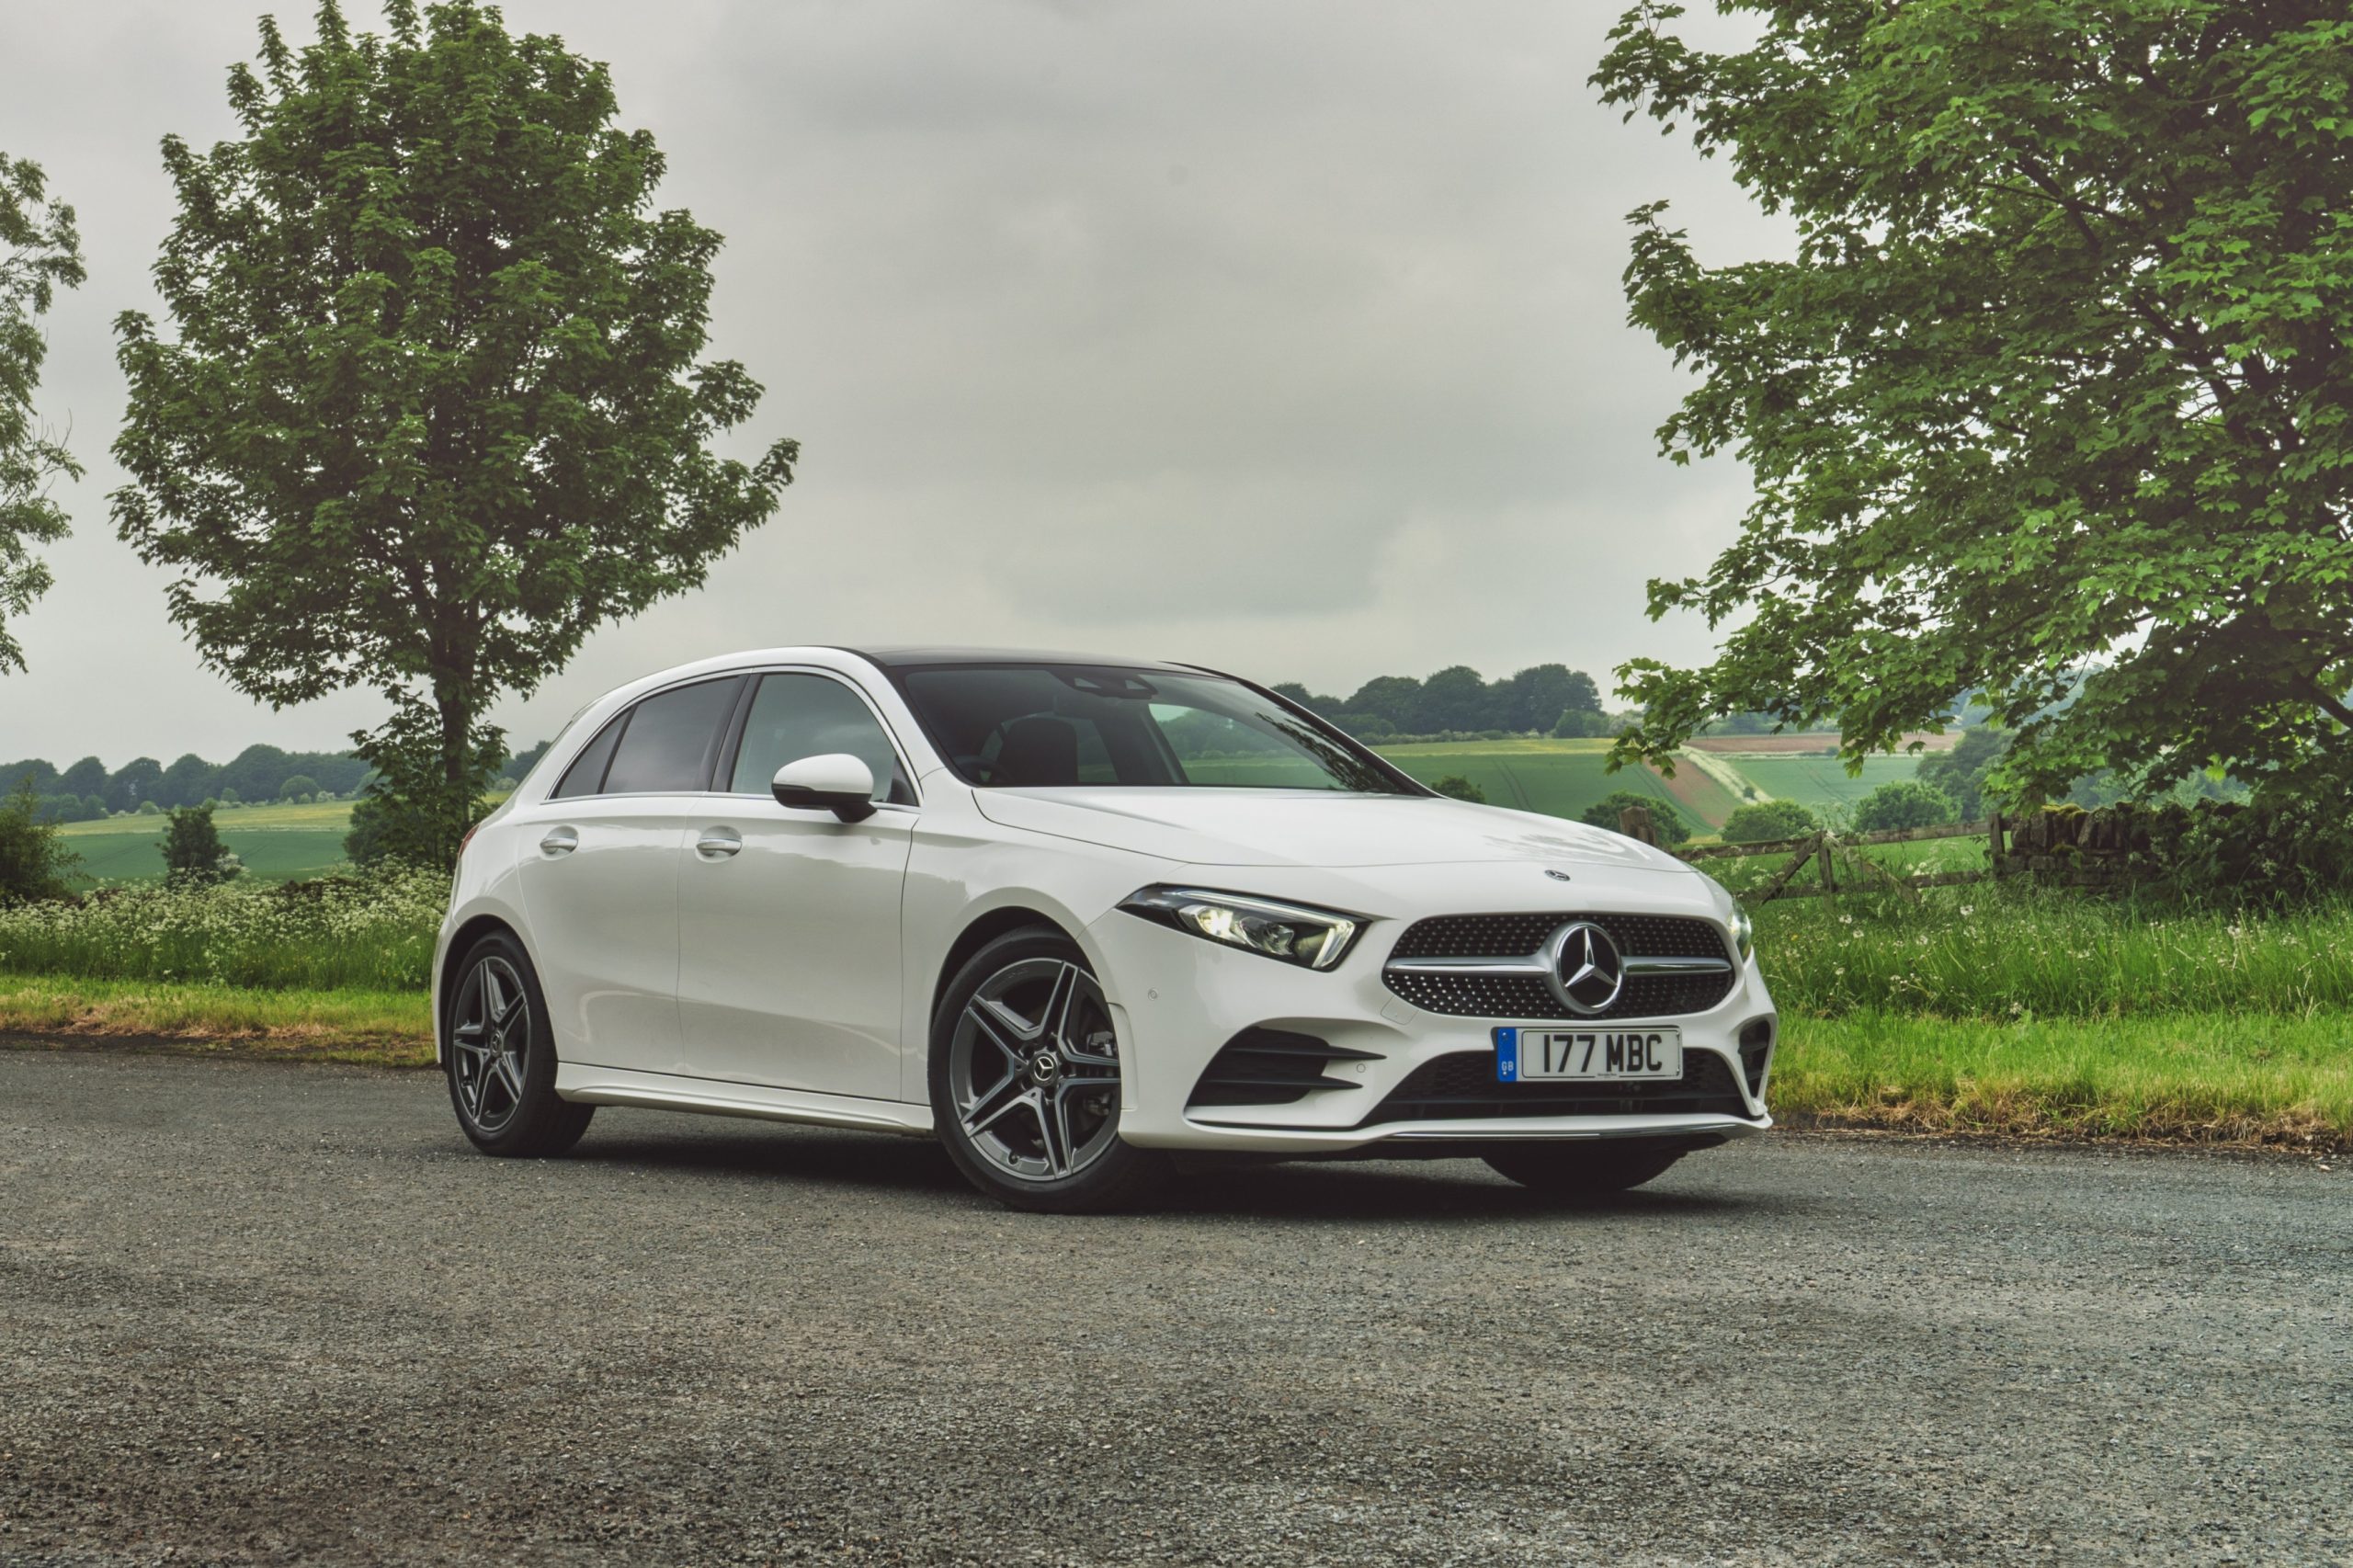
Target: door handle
560,841
718,842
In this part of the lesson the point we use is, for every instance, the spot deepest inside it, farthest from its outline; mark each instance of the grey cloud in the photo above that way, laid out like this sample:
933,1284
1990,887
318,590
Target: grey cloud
1287,337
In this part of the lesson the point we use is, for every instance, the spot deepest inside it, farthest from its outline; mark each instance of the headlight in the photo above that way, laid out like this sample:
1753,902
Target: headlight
1743,931
1313,939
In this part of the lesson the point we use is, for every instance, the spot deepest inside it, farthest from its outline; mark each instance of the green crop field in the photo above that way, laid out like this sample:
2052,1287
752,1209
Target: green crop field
278,843
1559,778
1822,782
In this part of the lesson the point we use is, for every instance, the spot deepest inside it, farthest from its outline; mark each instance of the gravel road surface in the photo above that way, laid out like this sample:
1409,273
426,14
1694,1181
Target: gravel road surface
266,1314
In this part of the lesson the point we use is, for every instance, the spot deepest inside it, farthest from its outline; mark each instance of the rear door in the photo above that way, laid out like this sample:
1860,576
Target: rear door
789,919
600,876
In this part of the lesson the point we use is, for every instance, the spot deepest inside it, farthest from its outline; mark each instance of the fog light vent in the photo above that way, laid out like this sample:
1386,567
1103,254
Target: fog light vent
1756,1053
1263,1066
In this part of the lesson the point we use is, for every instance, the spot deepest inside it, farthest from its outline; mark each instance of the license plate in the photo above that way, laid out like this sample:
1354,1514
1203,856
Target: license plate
1523,1054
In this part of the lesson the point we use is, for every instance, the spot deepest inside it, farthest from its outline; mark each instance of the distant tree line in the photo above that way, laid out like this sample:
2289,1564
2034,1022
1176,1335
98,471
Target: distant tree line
86,790
1544,700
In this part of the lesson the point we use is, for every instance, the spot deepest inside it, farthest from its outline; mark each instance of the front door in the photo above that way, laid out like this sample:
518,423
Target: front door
789,967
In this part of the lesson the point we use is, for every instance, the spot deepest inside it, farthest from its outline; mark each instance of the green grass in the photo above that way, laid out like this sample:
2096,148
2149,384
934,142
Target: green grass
381,1028
277,843
1561,779
2220,1078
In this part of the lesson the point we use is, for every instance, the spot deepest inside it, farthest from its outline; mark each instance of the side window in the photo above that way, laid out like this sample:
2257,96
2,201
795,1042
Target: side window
665,748
586,773
795,716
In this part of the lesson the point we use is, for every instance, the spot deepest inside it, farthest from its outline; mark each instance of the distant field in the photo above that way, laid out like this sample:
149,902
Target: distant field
1561,779
1823,781
277,843
1808,741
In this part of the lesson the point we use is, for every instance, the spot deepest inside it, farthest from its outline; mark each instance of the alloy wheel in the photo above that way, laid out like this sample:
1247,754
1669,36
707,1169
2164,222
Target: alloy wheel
492,1033
1033,1071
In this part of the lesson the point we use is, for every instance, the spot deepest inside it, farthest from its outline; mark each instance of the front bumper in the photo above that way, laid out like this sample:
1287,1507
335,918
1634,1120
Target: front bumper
1179,999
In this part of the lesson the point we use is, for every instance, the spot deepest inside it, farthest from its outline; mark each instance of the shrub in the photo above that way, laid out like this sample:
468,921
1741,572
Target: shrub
231,797
1769,820
1581,724
373,932
1664,819
1462,788
150,809
302,786
1904,803
34,861
193,853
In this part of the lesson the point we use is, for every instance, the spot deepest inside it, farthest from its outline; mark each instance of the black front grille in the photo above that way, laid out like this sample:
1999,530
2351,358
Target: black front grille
1527,996
1263,1066
1463,1083
1509,936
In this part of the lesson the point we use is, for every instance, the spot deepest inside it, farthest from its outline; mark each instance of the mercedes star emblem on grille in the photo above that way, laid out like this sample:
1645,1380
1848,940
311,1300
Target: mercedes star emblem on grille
1584,969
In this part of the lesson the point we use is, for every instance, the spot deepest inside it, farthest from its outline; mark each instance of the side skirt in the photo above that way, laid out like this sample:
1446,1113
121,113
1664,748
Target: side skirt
665,1091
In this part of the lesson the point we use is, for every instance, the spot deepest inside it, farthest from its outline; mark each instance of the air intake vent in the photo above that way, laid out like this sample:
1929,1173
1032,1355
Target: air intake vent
1262,1066
1756,1053
1462,1085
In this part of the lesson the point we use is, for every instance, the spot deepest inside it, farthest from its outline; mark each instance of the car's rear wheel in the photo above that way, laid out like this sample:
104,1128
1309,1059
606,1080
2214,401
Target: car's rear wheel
1581,1170
502,1056
1025,1081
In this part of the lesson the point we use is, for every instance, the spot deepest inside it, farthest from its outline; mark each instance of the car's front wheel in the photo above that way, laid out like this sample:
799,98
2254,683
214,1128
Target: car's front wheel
1025,1081
1590,1169
502,1056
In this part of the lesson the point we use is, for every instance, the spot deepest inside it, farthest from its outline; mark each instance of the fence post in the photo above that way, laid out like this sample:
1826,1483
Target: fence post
1634,822
1829,871
1993,844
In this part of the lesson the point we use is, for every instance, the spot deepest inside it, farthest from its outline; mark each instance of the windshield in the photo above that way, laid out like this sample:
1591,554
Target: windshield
1046,726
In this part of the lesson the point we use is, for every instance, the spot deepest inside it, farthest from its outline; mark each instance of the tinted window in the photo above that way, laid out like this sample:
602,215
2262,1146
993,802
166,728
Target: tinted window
1042,726
795,716
667,749
586,773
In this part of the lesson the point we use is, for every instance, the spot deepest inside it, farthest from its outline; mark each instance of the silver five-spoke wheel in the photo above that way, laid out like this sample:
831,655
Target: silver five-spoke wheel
1033,1071
491,1036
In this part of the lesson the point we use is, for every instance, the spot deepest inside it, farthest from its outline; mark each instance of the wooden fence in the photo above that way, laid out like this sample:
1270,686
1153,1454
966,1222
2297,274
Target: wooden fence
1828,851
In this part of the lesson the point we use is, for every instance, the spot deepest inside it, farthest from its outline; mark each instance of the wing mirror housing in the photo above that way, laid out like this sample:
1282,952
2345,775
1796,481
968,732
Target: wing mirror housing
836,782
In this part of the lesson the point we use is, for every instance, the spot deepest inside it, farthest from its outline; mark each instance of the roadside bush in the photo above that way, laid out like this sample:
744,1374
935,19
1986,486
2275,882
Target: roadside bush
373,932
1668,822
1768,820
1904,803
1462,788
34,860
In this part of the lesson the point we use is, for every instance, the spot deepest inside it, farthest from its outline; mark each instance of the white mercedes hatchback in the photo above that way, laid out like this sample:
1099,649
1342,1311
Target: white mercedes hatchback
1075,918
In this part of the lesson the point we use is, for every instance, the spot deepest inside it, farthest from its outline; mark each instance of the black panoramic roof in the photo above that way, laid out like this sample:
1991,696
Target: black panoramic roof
917,658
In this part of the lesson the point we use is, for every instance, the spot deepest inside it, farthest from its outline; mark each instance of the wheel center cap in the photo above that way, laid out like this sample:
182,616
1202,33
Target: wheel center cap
1045,1067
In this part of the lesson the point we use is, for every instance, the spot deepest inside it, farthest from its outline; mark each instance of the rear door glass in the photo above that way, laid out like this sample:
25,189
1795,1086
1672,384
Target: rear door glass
667,749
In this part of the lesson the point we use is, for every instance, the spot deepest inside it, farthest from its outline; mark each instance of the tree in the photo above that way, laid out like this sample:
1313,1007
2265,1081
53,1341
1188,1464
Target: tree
1536,698
1323,707
86,776
134,781
187,781
1962,772
193,853
434,410
1460,789
1454,698
1906,802
1666,820
1581,724
39,253
300,784
1393,698
229,796
34,860
2053,389
1764,821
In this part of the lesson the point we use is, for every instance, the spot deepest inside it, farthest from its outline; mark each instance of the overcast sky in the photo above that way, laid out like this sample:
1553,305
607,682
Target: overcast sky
1285,337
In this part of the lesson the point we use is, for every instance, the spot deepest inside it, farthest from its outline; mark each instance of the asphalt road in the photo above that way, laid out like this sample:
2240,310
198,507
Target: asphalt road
270,1314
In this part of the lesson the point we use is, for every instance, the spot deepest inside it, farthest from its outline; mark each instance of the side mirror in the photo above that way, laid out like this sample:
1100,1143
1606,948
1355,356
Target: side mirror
836,782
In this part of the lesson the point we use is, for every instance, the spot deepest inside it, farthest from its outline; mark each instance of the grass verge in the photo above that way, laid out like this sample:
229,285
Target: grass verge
384,1029
2235,1079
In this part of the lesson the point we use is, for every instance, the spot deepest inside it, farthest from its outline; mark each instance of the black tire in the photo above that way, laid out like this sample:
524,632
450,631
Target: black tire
502,1076
1595,1169
976,1073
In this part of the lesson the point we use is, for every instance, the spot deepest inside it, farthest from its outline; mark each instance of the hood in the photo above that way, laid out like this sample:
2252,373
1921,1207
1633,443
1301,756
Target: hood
1310,827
